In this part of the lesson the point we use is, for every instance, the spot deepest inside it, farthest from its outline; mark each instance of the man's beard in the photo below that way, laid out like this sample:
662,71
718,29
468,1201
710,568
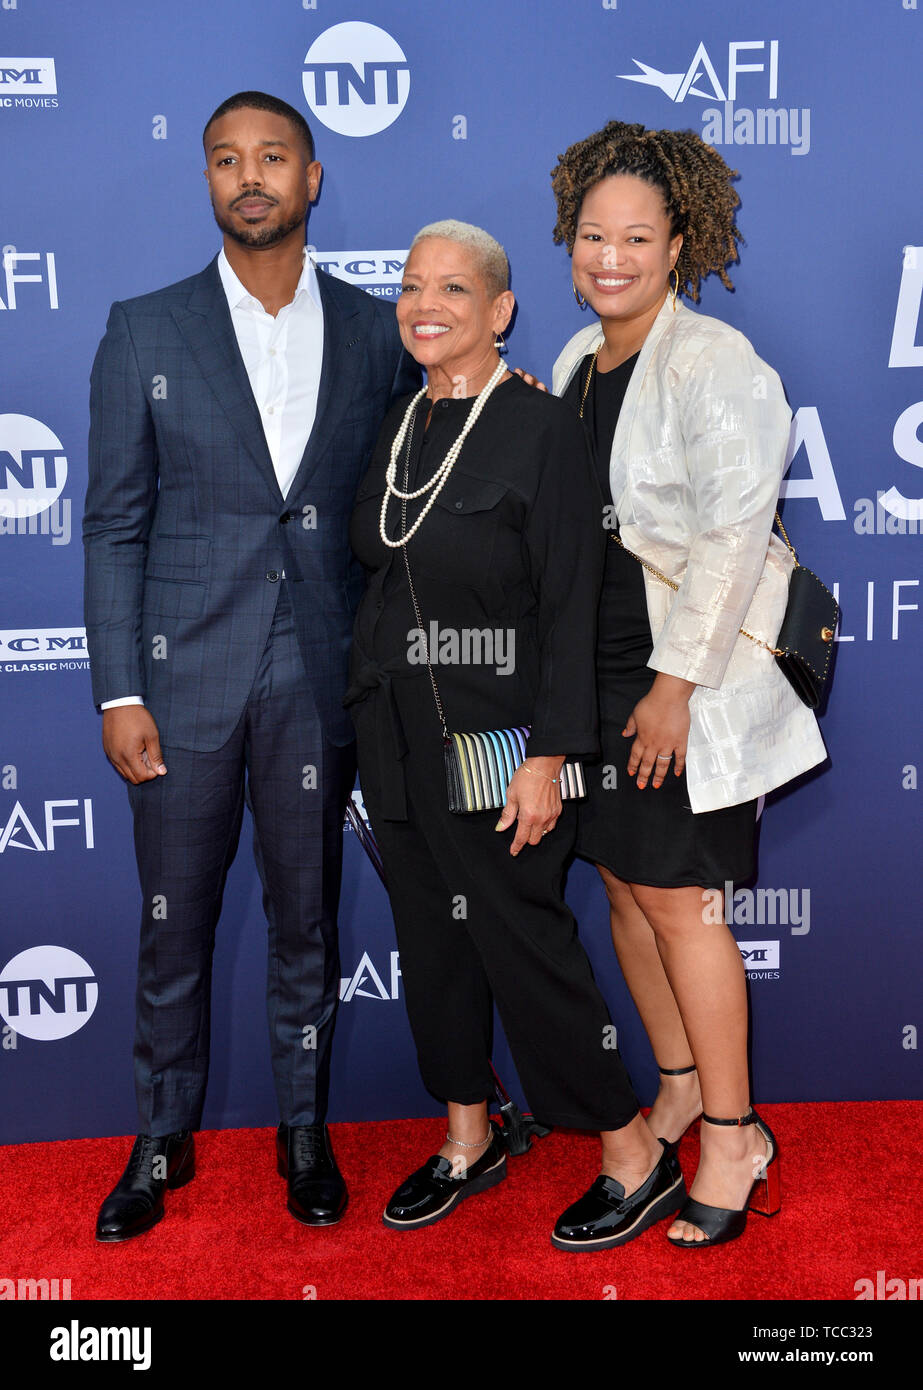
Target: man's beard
259,234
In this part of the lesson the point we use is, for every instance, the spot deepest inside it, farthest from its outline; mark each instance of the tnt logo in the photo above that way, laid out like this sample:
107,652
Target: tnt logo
47,992
356,79
28,77
33,466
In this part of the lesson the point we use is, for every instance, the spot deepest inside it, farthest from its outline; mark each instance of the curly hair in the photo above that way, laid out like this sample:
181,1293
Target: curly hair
692,177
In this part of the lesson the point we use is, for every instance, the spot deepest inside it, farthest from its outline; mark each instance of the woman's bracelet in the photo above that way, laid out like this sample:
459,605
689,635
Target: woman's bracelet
533,773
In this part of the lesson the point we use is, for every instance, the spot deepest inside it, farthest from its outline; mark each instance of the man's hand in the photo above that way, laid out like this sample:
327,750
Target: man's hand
529,379
131,742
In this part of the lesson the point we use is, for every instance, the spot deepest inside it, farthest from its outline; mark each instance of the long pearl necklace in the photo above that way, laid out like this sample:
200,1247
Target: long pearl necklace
440,477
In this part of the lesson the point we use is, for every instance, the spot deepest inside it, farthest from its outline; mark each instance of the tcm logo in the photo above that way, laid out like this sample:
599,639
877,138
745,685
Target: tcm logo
45,649
356,78
727,124
366,974
47,992
378,272
33,466
13,276
20,833
759,955
28,77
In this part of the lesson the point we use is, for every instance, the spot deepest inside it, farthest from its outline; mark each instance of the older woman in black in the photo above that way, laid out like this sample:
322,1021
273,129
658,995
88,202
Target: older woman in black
481,495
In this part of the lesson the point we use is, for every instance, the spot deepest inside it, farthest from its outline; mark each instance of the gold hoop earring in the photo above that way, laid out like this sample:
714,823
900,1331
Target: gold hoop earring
579,298
500,343
674,289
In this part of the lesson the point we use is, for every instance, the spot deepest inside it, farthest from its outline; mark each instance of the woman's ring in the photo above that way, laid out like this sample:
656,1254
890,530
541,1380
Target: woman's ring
668,756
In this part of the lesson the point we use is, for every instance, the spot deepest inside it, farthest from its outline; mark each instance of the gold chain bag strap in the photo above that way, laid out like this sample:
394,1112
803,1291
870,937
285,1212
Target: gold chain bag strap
804,645
479,766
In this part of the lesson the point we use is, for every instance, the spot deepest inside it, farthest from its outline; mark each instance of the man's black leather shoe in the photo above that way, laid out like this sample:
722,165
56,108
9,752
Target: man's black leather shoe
316,1190
432,1192
135,1204
604,1216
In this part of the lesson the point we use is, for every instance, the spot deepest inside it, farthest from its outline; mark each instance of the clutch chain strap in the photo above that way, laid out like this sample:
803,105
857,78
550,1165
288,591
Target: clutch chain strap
413,594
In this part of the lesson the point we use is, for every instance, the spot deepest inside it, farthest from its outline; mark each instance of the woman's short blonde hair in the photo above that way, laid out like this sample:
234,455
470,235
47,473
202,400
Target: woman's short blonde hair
491,258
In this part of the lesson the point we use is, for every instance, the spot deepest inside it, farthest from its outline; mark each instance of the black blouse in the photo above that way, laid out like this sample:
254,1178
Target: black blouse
601,409
513,547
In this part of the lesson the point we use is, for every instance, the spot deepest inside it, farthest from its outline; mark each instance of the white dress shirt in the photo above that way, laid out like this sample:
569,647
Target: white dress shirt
283,357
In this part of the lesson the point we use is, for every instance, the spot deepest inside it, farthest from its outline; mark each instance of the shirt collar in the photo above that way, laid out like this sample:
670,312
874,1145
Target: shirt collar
238,295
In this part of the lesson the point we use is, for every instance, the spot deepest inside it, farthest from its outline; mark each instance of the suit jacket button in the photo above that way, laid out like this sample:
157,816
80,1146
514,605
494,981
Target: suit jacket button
272,576
286,516
459,504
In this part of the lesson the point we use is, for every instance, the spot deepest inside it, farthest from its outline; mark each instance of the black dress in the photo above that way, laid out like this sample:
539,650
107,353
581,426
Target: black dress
512,545
652,836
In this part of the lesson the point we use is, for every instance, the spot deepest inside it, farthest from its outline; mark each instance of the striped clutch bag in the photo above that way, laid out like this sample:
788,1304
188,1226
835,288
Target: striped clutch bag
479,767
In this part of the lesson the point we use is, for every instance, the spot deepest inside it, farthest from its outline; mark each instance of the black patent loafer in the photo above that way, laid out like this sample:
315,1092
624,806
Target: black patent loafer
316,1191
434,1191
135,1204
605,1217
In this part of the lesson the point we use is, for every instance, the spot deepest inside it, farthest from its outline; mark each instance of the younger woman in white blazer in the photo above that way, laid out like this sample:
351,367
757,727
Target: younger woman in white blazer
691,429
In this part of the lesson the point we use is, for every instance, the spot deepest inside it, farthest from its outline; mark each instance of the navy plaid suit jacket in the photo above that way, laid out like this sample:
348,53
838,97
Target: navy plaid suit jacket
185,530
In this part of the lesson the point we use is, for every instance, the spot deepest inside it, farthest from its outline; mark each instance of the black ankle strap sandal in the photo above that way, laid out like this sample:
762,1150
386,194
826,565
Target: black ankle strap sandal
721,1224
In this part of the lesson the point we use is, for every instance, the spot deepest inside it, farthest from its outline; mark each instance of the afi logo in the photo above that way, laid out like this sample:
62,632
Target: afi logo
13,276
366,974
20,833
29,75
679,85
47,992
356,78
33,466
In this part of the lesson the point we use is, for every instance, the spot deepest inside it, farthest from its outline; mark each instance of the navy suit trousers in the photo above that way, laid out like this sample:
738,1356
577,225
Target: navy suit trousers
187,827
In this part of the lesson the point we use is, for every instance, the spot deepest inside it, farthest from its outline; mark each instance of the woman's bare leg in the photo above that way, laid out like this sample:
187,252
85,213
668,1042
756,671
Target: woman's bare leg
703,965
678,1100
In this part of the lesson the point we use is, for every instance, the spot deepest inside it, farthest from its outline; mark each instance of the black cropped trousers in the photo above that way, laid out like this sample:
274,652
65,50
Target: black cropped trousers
474,925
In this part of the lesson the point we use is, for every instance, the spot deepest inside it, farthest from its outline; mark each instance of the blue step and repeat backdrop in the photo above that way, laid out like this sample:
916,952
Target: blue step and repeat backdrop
423,110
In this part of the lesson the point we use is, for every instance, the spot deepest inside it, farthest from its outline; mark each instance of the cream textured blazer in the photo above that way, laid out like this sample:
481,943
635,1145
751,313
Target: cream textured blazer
696,464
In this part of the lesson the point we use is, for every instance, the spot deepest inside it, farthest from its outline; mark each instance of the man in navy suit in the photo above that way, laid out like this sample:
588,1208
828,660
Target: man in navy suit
232,416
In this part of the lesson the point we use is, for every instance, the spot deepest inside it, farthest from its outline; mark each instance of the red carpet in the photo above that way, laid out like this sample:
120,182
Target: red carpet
851,1193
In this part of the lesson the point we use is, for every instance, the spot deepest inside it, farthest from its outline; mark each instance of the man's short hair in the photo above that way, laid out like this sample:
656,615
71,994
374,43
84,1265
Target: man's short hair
262,101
